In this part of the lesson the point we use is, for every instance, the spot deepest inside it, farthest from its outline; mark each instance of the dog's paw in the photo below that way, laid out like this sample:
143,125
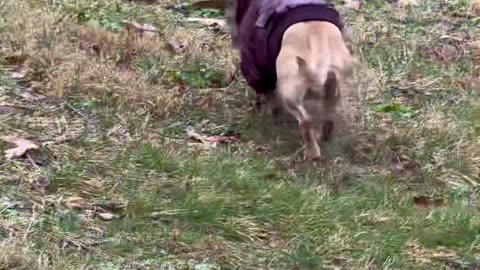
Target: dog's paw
316,161
313,156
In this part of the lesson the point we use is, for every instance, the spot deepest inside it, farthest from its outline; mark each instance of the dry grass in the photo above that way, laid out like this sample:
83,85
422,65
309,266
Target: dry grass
112,131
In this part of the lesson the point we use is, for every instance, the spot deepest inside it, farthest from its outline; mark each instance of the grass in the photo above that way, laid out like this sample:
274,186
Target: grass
113,130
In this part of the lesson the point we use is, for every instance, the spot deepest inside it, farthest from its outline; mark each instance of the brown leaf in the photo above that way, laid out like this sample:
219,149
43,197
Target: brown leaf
214,4
354,4
16,59
41,185
76,203
471,83
405,3
142,29
112,206
92,186
426,202
222,139
446,54
6,109
217,23
107,216
474,47
475,7
22,146
214,140
30,95
19,74
176,45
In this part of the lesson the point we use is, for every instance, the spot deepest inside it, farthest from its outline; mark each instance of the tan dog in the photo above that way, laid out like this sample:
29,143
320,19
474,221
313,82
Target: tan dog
312,62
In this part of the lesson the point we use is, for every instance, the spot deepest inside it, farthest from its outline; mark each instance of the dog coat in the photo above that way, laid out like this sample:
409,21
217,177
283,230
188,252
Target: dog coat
261,24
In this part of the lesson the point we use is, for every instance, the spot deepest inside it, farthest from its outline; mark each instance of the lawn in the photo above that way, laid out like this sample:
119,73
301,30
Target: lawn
151,156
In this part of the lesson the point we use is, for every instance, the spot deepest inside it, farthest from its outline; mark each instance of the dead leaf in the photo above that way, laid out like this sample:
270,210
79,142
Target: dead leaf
113,206
474,47
6,109
212,140
76,203
426,202
471,83
354,4
196,136
92,186
41,185
16,59
22,146
71,242
19,74
175,45
30,95
222,139
217,23
475,7
142,29
405,3
107,216
213,4
446,54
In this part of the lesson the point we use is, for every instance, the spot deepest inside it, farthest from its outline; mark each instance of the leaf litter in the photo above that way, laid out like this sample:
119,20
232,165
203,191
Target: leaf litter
22,147
426,202
77,203
213,141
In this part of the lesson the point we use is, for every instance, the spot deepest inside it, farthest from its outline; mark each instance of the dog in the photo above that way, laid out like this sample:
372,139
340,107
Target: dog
313,60
293,54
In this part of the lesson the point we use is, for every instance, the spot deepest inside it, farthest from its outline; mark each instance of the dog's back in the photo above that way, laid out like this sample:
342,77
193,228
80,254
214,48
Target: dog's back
311,65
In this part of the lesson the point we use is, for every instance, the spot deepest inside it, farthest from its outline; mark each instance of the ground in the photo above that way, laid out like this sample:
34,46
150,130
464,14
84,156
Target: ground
119,182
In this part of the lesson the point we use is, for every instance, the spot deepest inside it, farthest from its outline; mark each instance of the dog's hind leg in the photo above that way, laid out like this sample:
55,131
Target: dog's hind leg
292,96
332,96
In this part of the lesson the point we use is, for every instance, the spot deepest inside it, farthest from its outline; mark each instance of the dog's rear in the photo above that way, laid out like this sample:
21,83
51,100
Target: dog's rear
311,65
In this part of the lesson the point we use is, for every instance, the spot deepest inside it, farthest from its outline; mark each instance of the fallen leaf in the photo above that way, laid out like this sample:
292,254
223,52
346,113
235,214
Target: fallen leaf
30,95
471,83
445,54
222,139
216,139
196,136
402,166
475,7
41,185
405,3
71,242
19,74
474,47
76,203
217,23
143,29
426,202
112,206
213,4
16,59
354,4
22,146
92,186
176,45
6,109
107,216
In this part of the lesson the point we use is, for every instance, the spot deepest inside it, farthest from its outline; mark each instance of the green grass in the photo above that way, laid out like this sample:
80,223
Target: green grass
113,131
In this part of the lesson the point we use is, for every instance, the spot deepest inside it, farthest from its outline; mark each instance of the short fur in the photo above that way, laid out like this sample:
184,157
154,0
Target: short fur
311,65
313,61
